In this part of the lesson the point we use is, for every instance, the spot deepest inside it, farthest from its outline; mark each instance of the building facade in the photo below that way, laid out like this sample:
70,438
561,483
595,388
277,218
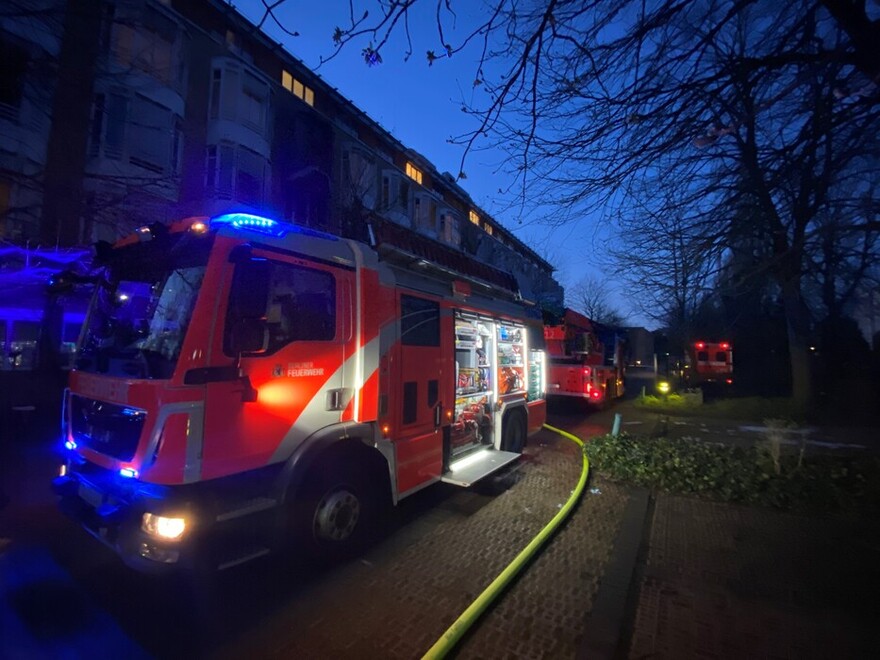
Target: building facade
121,113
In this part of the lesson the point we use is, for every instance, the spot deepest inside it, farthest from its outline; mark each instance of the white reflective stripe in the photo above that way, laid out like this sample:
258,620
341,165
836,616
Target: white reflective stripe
315,415
195,411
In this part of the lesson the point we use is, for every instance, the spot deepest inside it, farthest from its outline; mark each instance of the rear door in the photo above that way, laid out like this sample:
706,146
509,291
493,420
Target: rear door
425,389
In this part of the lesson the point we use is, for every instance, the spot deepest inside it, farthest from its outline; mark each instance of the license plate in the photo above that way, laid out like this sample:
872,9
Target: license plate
91,495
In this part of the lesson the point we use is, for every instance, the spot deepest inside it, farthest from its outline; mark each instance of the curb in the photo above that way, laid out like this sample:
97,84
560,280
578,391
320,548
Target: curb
606,621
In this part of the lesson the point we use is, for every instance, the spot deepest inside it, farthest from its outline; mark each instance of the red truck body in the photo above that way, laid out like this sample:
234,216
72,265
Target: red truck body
242,382
580,366
709,363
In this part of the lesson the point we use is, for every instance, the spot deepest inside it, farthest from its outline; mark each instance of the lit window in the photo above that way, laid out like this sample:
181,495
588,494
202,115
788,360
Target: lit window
474,218
297,88
413,173
488,228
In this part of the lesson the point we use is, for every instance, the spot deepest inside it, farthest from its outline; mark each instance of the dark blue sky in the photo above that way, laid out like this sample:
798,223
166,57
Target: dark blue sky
421,107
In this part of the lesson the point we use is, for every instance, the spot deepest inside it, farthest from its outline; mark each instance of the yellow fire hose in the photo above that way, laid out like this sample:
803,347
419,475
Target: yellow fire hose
462,624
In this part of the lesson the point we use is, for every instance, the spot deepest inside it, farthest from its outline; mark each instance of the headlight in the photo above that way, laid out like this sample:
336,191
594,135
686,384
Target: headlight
160,527
663,387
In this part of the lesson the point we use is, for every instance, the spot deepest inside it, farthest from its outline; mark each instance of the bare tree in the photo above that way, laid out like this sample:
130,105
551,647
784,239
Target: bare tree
741,120
591,297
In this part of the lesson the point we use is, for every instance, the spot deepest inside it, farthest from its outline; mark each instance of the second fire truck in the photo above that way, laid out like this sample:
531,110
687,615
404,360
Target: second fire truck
585,360
243,385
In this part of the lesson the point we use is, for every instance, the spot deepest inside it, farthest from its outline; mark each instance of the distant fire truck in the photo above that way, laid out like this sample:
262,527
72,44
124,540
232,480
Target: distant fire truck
244,384
709,364
585,359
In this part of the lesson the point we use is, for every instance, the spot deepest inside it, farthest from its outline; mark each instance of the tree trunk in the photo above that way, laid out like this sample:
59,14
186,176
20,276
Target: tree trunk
797,322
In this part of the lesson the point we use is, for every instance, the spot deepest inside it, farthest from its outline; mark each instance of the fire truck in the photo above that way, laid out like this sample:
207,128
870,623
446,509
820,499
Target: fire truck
585,359
709,365
245,385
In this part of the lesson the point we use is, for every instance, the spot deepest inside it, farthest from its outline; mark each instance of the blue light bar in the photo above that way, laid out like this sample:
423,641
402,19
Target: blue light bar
70,444
132,412
255,223
128,472
266,226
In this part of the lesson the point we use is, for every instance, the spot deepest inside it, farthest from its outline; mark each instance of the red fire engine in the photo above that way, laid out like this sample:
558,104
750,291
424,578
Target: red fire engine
243,384
579,364
709,363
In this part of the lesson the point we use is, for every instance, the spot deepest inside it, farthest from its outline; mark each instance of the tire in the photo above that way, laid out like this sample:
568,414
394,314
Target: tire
514,434
335,516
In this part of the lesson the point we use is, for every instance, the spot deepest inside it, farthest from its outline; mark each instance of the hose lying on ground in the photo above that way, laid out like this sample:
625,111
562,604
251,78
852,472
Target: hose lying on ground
462,624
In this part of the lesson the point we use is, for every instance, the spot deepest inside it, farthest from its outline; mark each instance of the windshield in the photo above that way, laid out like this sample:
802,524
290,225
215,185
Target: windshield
141,309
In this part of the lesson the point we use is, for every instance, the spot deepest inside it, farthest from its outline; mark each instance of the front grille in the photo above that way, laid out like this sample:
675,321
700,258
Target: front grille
107,428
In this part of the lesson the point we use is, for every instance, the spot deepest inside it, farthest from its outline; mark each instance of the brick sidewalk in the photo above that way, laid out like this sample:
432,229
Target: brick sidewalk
728,581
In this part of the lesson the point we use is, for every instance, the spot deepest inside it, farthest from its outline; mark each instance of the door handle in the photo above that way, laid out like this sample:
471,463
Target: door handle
438,414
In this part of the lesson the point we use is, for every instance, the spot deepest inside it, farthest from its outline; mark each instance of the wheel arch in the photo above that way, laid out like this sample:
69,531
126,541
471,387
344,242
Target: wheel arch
338,444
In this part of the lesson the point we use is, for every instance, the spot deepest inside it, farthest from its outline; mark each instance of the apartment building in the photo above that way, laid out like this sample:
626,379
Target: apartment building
119,113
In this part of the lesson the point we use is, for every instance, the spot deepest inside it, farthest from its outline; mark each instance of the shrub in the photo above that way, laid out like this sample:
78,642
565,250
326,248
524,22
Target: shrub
820,483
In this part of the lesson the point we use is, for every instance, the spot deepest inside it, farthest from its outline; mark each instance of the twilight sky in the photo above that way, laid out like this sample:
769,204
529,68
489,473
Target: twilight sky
421,107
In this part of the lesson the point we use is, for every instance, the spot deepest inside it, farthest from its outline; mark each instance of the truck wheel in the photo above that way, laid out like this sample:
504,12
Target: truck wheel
514,437
335,515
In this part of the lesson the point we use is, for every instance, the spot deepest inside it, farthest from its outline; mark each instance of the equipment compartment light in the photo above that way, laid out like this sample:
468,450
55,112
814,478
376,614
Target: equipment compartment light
198,227
162,527
128,473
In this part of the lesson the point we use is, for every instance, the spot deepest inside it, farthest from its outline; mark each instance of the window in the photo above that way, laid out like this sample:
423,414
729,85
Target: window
12,73
413,173
297,303
235,173
117,109
240,96
703,356
488,228
403,194
216,84
249,177
297,88
151,135
255,100
449,229
97,128
474,218
386,192
108,127
721,356
147,44
419,321
5,203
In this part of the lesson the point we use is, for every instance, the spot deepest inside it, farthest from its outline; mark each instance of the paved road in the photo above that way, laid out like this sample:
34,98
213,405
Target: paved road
714,580
62,593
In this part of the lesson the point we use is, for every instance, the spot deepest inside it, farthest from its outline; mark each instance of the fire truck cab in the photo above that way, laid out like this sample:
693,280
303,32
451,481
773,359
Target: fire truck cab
243,385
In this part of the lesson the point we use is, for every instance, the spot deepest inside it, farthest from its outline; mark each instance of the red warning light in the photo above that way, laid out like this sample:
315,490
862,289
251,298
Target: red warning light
725,346
700,345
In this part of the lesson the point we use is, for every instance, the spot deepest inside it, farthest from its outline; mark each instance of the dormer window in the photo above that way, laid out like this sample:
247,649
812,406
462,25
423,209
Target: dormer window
474,218
414,173
297,88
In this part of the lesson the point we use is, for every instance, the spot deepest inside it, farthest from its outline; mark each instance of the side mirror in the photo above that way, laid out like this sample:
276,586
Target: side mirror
250,336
